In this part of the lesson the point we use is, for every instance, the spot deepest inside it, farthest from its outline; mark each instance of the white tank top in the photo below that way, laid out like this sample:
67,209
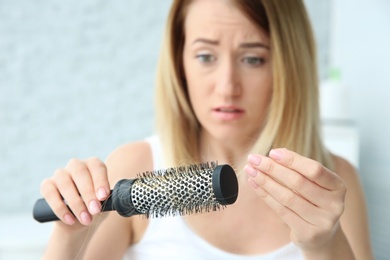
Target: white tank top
170,238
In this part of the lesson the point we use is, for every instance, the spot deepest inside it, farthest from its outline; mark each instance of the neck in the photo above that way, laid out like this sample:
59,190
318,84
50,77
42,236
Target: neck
233,151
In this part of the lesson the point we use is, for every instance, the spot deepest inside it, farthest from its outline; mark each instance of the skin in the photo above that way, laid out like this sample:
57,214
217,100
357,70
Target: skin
227,64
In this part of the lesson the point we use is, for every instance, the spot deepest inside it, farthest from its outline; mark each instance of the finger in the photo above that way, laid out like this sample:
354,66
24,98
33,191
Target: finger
72,197
291,218
84,184
56,202
293,180
307,167
303,231
287,198
99,177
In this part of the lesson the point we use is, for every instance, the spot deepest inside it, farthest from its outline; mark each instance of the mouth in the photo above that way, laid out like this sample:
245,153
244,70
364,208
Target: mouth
228,109
228,113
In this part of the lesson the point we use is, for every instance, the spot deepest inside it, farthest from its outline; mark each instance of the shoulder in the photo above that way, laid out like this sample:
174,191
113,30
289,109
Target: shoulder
354,220
345,170
354,198
349,174
128,160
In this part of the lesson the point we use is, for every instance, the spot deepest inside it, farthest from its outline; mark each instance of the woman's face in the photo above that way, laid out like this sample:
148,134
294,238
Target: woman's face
227,65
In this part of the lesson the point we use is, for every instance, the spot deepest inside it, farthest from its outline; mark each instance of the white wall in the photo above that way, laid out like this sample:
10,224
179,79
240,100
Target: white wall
360,48
76,80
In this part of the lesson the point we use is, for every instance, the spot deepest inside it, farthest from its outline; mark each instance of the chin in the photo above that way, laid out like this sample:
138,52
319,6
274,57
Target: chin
233,135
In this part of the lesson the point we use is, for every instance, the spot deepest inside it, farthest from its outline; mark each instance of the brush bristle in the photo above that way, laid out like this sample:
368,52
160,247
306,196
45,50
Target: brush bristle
176,191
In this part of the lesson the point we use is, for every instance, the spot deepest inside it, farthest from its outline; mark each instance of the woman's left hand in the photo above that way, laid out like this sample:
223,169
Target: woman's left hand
307,196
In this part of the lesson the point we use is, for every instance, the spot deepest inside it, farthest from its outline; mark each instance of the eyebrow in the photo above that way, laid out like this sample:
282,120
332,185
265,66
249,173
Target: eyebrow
242,45
203,40
254,45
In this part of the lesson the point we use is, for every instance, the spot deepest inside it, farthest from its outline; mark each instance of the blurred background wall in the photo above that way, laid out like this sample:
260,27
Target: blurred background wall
77,80
360,40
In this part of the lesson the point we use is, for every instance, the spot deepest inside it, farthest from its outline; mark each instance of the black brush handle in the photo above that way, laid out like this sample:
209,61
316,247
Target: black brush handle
43,213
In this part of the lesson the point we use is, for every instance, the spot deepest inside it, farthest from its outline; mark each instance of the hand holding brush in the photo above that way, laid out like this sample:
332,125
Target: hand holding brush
175,191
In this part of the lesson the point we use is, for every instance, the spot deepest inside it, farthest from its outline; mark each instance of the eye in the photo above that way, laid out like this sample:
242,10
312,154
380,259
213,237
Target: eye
254,61
205,58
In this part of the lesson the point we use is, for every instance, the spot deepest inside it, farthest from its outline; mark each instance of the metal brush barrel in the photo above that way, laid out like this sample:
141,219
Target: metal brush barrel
196,190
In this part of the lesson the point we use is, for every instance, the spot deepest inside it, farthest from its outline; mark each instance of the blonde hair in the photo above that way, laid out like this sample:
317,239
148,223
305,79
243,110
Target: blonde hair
293,115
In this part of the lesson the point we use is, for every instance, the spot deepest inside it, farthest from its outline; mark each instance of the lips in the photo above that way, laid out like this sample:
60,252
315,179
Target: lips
228,109
228,113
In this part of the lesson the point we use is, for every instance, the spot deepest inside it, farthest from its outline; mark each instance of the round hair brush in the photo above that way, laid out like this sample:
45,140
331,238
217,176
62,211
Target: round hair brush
174,191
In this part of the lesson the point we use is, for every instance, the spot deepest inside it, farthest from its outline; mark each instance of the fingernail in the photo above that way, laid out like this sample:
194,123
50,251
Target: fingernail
102,193
85,218
276,154
69,219
254,159
250,171
94,207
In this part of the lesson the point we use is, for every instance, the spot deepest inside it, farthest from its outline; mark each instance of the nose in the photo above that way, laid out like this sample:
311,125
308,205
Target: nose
228,83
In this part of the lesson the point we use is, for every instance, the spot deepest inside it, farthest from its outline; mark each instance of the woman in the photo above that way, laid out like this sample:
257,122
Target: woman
237,82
